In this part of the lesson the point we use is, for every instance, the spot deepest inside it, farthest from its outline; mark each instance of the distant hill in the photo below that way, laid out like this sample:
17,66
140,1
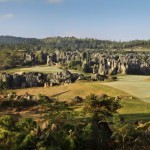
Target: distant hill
19,43
15,40
69,44
73,43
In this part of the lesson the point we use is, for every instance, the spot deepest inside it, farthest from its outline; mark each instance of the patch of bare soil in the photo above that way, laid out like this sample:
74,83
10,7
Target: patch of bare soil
36,112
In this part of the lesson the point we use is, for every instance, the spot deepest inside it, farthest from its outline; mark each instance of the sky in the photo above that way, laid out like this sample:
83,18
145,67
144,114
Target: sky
120,20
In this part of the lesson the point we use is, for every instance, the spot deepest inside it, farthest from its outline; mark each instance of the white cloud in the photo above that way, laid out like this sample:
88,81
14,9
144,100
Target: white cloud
54,1
6,16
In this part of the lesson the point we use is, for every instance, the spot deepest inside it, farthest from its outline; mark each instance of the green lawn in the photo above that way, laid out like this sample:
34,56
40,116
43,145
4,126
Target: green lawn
138,49
41,68
132,109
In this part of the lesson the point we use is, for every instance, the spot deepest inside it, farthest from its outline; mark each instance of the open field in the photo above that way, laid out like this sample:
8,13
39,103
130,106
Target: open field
67,92
42,68
138,49
126,87
134,85
138,87
133,109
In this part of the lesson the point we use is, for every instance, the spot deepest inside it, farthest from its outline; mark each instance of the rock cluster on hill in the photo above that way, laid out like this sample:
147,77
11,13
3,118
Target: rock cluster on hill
130,63
36,79
102,63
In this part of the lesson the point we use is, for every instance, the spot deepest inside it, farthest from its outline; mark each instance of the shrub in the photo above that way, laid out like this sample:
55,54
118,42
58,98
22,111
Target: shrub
86,68
76,65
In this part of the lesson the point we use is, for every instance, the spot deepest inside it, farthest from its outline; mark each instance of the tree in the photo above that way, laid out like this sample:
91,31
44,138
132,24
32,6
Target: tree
86,68
100,109
75,65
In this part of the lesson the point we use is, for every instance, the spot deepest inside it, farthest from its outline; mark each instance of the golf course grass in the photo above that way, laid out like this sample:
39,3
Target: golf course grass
134,91
132,108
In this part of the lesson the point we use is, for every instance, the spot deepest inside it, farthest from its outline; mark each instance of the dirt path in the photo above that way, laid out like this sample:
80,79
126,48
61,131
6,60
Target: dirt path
137,86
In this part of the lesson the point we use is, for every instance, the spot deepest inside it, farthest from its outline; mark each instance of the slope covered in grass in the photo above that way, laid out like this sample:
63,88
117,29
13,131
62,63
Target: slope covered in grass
132,109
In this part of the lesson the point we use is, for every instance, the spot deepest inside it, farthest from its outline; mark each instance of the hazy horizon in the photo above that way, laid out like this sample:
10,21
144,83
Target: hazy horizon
113,20
76,37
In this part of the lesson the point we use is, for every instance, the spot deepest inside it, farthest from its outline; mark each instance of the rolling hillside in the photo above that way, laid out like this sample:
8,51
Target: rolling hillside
15,40
69,43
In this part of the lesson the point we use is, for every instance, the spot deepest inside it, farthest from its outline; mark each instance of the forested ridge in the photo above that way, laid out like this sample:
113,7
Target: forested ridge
15,40
66,43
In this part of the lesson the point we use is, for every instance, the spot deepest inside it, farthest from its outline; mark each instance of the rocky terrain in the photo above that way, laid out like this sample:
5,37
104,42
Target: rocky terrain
36,79
99,64
102,63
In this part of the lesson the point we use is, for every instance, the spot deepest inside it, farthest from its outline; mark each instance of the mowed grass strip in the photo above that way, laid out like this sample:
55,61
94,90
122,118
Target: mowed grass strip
135,110
41,68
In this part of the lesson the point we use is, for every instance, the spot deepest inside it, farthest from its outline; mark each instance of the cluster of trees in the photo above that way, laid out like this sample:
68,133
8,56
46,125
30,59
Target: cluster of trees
19,43
12,49
15,40
72,43
66,43
77,65
10,59
65,129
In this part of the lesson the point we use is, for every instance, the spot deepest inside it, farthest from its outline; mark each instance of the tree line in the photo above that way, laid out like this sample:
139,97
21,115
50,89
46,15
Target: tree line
66,44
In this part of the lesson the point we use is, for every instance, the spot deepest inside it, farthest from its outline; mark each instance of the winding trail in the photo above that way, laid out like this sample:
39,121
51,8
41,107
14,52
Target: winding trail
138,86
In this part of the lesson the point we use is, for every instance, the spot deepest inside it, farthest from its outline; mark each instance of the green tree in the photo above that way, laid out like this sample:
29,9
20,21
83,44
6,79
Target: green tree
74,65
100,109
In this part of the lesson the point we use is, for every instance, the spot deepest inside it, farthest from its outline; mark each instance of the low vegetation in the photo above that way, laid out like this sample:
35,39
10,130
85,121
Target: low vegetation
67,43
70,116
65,127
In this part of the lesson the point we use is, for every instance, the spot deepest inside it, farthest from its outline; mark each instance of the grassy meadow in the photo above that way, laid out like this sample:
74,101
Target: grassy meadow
138,49
41,68
132,109
137,108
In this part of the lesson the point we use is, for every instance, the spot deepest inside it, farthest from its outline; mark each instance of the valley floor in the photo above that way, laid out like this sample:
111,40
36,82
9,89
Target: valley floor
133,90
136,108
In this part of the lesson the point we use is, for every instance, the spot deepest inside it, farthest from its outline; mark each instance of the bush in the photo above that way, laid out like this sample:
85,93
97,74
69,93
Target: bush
76,65
66,129
3,86
21,103
86,68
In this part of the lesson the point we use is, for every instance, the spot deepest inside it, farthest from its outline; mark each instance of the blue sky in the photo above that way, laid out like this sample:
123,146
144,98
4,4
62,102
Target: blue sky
102,19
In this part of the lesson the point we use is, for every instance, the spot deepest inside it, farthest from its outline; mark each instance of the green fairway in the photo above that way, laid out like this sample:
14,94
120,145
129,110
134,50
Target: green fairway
138,49
137,107
42,69
132,109
135,85
127,86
